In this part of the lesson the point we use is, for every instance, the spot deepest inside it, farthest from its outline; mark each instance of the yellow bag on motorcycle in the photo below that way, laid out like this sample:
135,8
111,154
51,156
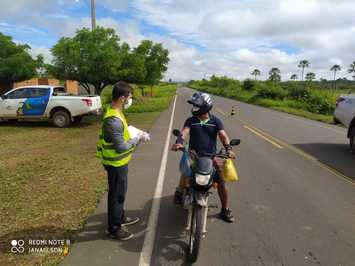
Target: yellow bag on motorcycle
229,171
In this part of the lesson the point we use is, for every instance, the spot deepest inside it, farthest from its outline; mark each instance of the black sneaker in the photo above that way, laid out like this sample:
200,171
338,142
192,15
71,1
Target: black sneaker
226,215
130,221
178,197
121,234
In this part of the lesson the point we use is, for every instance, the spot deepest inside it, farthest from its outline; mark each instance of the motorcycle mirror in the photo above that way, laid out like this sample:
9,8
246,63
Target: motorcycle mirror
235,142
176,133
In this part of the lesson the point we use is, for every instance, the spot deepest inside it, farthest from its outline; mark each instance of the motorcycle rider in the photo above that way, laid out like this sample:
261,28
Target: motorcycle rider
203,128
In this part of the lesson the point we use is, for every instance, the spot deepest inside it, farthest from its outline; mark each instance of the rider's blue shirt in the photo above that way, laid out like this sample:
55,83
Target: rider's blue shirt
203,134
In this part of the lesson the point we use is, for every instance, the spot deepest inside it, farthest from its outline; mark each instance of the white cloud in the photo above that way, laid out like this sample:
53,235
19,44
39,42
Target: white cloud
237,36
260,33
45,51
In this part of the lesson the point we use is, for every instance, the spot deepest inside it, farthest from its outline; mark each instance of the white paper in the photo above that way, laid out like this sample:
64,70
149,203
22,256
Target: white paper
135,132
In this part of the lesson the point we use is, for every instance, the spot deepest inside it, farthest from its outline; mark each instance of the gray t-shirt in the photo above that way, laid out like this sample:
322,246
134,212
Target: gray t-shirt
113,132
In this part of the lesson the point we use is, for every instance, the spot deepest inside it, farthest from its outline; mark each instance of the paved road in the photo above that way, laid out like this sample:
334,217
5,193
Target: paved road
294,203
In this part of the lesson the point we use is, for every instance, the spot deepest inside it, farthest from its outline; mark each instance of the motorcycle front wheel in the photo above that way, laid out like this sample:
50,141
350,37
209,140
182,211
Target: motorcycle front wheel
196,229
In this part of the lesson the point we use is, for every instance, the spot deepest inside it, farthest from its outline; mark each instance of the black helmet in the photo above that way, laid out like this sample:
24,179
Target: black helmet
202,103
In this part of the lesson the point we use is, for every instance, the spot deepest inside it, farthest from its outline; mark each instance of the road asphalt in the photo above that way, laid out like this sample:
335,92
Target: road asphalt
294,203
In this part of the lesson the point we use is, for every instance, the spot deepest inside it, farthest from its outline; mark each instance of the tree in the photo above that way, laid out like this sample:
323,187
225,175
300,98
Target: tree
90,57
335,68
294,77
255,73
16,64
352,69
132,69
310,76
275,74
303,64
156,59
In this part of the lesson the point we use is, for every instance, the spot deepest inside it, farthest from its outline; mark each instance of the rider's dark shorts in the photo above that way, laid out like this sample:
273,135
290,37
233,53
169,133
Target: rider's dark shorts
218,179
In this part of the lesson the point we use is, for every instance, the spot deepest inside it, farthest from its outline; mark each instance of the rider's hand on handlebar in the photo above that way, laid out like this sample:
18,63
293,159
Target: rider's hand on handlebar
177,146
231,154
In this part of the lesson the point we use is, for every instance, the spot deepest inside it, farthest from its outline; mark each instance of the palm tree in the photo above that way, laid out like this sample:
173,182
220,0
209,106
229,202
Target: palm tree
335,68
310,76
294,77
256,72
303,64
352,69
275,74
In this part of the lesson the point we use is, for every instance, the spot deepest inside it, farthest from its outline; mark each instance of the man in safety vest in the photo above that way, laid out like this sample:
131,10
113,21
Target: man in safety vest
115,149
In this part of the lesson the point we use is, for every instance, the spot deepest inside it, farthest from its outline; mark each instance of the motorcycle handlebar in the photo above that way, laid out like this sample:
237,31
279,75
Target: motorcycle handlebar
219,155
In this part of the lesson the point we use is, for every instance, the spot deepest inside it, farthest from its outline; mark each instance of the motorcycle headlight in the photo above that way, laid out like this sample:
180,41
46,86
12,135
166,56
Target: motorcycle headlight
202,180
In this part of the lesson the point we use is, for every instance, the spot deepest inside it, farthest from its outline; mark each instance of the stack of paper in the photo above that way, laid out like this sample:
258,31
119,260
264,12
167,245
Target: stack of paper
135,132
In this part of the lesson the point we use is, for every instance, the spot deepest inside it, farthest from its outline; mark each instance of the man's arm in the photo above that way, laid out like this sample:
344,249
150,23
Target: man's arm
180,140
226,143
223,137
184,133
113,132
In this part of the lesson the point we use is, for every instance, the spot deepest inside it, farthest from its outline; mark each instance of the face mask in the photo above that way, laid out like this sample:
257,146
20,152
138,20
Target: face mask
128,104
195,110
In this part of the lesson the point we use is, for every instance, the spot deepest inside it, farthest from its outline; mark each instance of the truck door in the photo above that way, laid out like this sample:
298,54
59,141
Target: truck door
37,102
11,103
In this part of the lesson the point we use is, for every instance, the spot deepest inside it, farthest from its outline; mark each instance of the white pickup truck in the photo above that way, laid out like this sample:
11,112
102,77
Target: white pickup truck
345,114
44,102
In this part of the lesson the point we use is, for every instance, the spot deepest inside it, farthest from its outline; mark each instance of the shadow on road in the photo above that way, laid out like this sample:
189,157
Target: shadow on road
170,241
96,225
337,156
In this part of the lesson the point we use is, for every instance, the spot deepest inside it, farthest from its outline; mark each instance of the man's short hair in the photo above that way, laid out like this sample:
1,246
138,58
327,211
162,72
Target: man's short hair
120,89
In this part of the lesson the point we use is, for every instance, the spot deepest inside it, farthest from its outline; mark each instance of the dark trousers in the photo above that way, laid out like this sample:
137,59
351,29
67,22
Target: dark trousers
117,188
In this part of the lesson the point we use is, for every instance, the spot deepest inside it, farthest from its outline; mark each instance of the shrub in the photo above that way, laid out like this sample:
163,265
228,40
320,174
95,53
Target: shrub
249,85
320,102
270,91
298,93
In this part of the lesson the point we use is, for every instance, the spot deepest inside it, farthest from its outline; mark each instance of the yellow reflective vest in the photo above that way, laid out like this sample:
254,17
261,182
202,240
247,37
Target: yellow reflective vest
106,151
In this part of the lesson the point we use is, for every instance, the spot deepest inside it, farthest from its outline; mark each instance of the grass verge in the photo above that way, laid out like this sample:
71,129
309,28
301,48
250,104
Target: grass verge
286,105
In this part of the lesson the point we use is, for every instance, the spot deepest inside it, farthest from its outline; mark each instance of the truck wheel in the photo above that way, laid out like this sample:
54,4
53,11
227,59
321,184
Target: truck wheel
352,140
61,119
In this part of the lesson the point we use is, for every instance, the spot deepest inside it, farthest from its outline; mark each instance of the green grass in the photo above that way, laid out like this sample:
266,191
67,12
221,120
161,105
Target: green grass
299,112
50,179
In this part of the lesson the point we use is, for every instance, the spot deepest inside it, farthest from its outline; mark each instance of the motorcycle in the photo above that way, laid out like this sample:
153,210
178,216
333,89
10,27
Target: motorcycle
195,197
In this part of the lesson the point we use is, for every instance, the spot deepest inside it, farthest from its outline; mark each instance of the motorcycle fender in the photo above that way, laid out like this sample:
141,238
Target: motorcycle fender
201,199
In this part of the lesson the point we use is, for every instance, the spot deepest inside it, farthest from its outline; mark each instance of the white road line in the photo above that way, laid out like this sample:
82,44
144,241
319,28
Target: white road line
148,243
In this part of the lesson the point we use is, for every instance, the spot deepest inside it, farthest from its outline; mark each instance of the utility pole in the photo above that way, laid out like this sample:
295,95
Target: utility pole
93,14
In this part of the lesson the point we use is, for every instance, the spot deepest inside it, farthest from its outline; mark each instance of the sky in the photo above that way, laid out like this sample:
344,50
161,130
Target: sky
205,37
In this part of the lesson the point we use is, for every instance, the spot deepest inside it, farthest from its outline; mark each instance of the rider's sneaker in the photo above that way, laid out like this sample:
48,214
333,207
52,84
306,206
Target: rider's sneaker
226,215
130,221
121,234
178,197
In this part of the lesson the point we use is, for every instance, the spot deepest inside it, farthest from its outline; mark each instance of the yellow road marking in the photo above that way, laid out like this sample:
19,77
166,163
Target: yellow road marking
264,137
221,112
291,147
